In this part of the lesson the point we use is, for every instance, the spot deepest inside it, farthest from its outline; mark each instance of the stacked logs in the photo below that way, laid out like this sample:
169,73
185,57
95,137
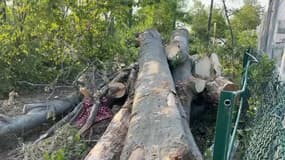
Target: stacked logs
153,122
156,126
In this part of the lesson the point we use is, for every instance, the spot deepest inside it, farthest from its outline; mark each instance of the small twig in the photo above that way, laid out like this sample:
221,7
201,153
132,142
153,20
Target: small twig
43,85
94,109
60,123
96,97
79,74
32,84
96,140
229,23
51,94
76,114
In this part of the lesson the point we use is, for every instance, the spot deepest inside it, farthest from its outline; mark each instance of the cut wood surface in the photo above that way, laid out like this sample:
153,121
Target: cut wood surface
202,68
197,85
216,65
36,116
157,129
214,88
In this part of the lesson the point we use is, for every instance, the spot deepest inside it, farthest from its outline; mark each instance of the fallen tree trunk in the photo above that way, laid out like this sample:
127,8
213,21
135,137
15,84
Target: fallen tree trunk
36,116
60,123
177,54
157,129
187,85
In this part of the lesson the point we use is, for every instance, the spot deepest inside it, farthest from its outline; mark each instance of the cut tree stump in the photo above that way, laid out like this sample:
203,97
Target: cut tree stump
157,128
37,115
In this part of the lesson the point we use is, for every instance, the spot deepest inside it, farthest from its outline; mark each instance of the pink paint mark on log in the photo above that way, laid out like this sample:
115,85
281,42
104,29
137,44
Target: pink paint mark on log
103,113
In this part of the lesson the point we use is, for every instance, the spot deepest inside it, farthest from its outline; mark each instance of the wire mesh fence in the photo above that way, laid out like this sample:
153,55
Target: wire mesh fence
267,138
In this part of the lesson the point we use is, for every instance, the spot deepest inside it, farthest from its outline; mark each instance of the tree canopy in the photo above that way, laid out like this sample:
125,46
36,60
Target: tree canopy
47,40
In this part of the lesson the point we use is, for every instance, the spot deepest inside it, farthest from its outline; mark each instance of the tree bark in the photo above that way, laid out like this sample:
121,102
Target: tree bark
36,116
157,129
215,87
187,85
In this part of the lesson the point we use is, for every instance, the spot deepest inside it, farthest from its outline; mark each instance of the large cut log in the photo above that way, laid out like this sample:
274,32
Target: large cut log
214,88
36,116
177,54
206,67
157,129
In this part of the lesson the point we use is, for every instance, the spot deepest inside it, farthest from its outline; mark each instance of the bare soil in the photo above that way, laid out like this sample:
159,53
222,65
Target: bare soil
9,146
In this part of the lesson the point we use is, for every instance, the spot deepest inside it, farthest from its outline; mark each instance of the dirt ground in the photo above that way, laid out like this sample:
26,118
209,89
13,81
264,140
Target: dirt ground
9,146
202,127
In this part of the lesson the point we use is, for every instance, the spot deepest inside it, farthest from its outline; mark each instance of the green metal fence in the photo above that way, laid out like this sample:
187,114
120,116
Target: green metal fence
227,122
267,136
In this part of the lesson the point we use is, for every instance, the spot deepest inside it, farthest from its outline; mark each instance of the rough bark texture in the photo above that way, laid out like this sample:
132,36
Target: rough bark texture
214,88
181,70
157,129
35,116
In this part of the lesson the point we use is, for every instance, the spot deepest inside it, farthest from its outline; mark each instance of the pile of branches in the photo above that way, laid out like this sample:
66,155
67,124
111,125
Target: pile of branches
155,95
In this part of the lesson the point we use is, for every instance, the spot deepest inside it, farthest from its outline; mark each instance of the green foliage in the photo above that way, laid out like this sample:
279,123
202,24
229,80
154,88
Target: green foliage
261,74
246,18
267,140
198,19
58,155
42,40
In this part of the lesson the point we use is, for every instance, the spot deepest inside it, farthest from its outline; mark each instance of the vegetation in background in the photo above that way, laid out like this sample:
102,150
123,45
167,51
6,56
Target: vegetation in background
43,40
47,40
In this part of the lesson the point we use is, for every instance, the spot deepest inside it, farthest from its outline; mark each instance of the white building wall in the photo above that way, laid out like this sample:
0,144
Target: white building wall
272,31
